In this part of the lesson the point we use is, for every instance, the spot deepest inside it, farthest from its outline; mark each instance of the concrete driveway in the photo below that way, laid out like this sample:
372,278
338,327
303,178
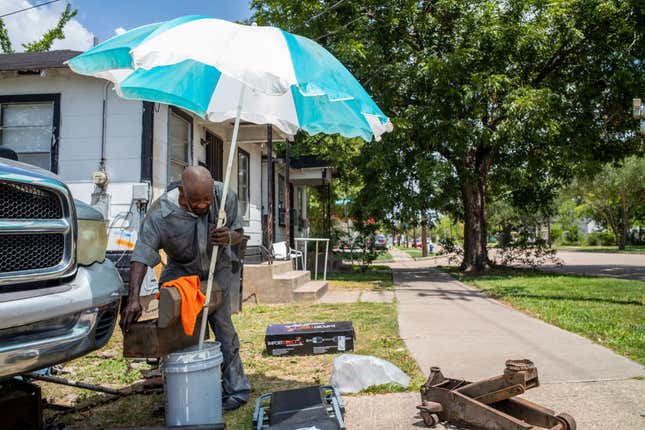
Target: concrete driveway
614,265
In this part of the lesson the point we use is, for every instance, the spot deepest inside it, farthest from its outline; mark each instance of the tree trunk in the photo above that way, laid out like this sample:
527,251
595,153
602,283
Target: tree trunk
414,236
624,223
548,231
475,234
424,236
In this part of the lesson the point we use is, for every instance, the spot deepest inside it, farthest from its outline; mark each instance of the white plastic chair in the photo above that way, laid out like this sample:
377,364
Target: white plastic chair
282,252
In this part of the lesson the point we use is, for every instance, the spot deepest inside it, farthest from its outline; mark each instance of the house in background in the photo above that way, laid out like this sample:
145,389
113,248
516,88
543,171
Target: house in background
305,173
120,154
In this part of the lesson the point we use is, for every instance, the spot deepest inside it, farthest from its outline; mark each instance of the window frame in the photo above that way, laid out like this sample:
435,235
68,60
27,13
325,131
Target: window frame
39,98
246,216
189,119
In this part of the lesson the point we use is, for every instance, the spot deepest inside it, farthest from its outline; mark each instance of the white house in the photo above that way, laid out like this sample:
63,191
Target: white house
76,125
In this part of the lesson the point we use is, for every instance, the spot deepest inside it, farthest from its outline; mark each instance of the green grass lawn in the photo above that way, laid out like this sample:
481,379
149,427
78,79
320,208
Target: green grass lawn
413,252
376,278
381,257
384,257
606,310
377,334
629,249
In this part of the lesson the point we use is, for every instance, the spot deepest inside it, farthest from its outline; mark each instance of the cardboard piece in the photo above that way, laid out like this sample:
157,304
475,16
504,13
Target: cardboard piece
169,307
159,331
146,340
310,338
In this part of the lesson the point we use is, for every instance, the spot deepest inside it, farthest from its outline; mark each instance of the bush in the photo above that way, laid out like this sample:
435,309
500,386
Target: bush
601,238
556,233
572,236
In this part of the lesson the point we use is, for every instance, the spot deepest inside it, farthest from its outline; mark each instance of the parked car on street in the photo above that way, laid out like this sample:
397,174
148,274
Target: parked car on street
59,296
380,242
418,244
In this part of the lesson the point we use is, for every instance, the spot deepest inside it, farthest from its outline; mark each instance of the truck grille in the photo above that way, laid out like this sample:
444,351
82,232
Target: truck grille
26,201
37,231
31,251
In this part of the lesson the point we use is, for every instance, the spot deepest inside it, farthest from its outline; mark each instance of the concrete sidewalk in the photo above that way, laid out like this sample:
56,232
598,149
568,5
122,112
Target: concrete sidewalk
467,334
400,256
447,324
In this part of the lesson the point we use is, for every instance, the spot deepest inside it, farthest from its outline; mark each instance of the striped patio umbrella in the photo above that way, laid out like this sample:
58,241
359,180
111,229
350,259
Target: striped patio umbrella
222,71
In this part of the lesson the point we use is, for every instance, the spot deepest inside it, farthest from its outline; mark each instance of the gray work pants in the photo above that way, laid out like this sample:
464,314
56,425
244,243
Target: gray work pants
234,382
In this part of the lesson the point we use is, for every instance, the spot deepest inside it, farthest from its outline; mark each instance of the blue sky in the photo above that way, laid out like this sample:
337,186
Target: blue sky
102,17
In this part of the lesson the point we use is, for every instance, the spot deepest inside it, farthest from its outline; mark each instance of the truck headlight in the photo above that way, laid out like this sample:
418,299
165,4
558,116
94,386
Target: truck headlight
92,242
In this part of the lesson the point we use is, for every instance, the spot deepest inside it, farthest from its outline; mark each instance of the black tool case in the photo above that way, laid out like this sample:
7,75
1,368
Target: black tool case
319,407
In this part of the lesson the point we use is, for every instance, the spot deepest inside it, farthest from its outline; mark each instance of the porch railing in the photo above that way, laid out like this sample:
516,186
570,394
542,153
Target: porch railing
317,240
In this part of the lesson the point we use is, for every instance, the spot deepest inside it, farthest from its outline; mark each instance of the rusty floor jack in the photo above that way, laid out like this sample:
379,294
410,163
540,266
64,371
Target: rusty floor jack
489,404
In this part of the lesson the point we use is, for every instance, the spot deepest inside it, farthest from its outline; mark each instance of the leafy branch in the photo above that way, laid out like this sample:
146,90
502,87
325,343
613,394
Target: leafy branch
46,41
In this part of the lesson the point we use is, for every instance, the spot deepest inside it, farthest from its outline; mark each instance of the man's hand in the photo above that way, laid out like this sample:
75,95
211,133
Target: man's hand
130,314
220,236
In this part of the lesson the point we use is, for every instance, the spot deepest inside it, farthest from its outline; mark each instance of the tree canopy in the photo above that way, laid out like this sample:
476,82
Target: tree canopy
511,99
615,196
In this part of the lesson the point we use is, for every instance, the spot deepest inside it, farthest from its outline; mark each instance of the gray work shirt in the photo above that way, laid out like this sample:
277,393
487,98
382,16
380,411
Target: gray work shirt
184,236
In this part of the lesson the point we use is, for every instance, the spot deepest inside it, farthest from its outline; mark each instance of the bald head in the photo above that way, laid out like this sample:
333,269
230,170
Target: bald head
196,190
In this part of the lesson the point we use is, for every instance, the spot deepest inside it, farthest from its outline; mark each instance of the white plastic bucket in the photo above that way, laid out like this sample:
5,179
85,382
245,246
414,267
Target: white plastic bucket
193,385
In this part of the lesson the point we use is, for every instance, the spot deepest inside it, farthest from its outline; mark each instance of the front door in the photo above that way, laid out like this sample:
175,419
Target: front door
214,155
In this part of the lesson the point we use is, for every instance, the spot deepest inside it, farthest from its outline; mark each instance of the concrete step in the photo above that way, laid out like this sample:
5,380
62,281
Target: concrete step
279,267
310,292
293,279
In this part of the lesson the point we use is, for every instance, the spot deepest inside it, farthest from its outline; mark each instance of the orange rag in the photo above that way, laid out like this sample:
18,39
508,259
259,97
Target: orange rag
192,300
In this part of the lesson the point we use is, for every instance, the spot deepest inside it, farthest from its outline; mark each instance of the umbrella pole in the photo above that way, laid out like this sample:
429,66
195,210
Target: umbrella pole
221,216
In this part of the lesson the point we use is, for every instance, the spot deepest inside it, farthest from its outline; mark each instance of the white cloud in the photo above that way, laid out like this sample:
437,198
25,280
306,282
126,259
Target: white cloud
119,31
29,26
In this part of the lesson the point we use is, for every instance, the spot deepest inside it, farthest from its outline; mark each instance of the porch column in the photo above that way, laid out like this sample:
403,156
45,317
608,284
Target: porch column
330,202
270,186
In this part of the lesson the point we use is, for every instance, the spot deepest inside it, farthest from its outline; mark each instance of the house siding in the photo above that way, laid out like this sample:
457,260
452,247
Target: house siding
79,145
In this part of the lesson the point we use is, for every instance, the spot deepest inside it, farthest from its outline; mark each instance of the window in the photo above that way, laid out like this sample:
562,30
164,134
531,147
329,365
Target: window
243,189
180,135
281,207
214,155
28,126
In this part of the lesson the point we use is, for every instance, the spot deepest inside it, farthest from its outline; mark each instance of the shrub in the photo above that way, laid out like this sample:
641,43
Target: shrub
556,233
572,236
601,238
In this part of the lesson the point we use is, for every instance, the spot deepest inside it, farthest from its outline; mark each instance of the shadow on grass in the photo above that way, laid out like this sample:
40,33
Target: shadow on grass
100,411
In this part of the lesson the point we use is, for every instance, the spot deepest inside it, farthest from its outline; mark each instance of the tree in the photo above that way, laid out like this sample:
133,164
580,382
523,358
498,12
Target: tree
46,41
515,98
615,196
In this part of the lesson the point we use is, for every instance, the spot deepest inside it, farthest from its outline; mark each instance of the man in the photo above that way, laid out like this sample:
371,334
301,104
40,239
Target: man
182,222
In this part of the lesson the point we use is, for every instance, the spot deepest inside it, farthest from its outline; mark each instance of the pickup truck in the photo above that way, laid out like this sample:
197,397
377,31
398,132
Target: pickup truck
59,295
